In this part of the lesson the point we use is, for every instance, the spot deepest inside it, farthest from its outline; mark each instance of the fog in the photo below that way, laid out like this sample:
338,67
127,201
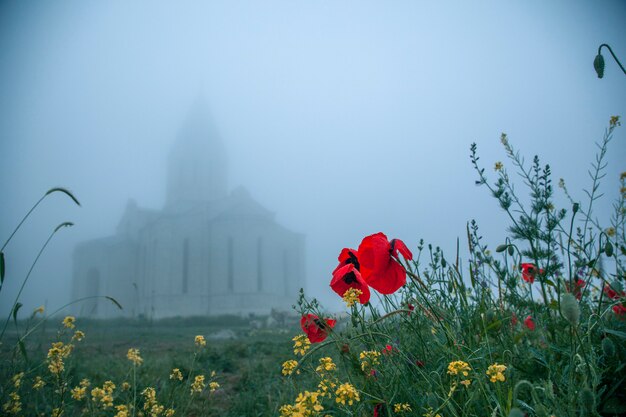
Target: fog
343,118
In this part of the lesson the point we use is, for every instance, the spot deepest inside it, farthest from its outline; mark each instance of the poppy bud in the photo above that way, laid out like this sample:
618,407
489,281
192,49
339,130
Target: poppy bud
511,250
516,412
608,347
570,308
587,400
501,248
345,348
575,207
598,65
608,249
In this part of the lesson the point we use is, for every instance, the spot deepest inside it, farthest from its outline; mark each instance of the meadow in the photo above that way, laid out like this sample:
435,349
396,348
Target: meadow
532,325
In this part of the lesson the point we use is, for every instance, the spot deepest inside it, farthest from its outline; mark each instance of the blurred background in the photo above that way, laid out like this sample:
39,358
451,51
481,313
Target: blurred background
342,118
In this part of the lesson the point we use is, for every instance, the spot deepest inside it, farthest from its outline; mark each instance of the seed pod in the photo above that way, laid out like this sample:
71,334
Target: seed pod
587,399
608,347
516,412
570,309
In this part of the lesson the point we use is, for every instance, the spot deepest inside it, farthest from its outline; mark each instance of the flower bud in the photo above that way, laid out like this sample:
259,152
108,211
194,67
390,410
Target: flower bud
608,249
570,309
501,248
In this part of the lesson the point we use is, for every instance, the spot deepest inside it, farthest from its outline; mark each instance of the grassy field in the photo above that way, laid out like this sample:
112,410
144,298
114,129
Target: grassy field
248,367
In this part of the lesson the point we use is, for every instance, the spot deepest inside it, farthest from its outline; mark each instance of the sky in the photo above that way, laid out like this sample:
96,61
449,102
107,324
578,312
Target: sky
344,118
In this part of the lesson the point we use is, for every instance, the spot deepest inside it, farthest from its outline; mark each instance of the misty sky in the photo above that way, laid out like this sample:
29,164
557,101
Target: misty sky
345,118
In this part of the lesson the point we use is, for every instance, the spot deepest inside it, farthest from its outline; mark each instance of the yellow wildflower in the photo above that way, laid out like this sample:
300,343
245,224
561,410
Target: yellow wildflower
176,374
614,121
495,372
122,411
39,383
402,408
289,366
466,382
14,405
301,344
69,321
325,387
347,393
96,394
456,367
78,393
169,412
200,341
125,386
39,310
149,395
85,383
351,296
369,358
57,412
498,166
308,404
78,336
326,365
17,379
610,231
133,356
213,386
198,384
56,354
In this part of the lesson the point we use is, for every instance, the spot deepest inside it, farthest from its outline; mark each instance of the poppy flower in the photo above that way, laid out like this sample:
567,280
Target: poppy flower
348,257
611,293
346,277
315,328
529,271
619,309
377,409
528,322
578,286
378,259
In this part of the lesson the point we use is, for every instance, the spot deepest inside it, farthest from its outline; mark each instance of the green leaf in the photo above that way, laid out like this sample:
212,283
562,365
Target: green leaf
15,310
616,333
114,301
64,191
64,224
1,267
551,283
20,343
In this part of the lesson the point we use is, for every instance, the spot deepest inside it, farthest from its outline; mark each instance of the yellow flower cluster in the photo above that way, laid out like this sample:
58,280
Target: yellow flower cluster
56,354
17,379
301,344
122,411
351,296
39,383
326,365
402,408
125,386
289,366
198,384
200,341
495,372
14,405
347,393
78,393
326,386
69,322
498,166
307,404
176,374
369,358
614,121
78,336
459,367
151,404
213,386
134,357
104,395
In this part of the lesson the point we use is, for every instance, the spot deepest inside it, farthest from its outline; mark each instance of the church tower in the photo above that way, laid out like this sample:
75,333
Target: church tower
197,166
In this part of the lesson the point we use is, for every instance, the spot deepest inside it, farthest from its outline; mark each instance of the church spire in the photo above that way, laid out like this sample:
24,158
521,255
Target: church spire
197,166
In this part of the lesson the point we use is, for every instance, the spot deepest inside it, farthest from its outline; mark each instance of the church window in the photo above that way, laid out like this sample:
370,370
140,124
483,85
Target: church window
259,264
185,265
231,266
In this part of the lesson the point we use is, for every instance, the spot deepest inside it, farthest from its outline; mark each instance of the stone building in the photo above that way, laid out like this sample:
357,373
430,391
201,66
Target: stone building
208,251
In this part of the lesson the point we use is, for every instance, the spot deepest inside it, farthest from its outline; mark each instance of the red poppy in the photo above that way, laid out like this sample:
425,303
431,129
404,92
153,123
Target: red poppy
529,271
411,307
316,329
346,257
388,349
619,309
528,322
611,293
346,277
377,409
379,264
578,286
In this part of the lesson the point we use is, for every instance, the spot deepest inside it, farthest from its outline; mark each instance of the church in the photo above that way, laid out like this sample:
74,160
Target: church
208,251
